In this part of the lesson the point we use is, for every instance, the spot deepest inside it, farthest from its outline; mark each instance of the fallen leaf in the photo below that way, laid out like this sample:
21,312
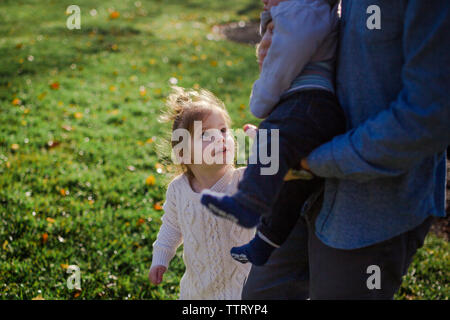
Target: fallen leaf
150,181
78,115
157,206
42,95
67,127
44,238
114,15
52,144
50,220
55,85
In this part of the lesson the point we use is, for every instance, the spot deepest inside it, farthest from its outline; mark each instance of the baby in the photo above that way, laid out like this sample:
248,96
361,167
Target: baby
295,93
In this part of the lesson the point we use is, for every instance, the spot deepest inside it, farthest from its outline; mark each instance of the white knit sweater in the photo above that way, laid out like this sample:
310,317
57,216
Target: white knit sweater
211,273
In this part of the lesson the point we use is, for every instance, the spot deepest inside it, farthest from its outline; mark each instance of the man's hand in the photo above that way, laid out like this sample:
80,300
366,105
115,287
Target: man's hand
156,274
304,164
265,43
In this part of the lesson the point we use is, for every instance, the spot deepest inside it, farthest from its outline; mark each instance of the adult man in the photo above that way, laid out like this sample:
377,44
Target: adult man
385,178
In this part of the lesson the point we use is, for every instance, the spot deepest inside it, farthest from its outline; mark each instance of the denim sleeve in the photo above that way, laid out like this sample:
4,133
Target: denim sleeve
299,29
417,124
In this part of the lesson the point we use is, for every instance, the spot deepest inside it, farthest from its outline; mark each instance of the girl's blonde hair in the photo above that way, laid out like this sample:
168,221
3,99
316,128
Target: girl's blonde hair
183,107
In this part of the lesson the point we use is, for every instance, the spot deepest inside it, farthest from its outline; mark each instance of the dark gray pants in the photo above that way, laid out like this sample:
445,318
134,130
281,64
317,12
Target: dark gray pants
305,267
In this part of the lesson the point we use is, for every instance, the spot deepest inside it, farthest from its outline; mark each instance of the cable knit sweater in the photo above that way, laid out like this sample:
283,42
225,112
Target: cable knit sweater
211,273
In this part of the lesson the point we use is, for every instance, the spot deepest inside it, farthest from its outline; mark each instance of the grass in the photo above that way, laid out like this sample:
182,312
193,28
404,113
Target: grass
80,179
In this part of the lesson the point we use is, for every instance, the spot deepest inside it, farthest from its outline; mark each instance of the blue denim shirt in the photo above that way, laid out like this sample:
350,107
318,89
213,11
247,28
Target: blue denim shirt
387,173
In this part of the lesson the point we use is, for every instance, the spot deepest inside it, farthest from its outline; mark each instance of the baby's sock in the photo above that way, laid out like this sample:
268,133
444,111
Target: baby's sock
227,207
256,251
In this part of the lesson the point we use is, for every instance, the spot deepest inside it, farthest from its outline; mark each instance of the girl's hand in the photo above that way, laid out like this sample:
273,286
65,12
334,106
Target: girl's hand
156,274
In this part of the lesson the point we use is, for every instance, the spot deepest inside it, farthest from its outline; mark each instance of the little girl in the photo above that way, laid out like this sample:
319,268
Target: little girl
211,273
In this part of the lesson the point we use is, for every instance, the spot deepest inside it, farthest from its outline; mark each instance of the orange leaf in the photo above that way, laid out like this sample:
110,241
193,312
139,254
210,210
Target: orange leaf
55,85
150,181
157,206
140,221
114,15
78,115
16,101
44,238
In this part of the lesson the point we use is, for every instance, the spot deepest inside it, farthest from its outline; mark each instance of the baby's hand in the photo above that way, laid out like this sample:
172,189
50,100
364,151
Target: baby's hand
265,43
156,274
250,130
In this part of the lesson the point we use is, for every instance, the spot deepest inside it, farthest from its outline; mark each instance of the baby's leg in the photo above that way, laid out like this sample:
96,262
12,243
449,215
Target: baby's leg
275,228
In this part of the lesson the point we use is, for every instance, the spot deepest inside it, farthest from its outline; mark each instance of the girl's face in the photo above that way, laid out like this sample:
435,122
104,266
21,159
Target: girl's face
216,141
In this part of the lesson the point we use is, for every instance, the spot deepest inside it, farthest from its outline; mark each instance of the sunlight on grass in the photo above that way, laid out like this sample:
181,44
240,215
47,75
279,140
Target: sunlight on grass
80,179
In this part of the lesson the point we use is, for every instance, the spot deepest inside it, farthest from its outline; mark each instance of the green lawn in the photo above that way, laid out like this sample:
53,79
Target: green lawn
80,179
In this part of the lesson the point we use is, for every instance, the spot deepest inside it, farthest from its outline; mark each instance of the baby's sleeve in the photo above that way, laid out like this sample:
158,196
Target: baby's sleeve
299,30
169,236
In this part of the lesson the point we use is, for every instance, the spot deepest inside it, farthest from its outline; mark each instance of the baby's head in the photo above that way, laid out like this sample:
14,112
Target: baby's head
200,130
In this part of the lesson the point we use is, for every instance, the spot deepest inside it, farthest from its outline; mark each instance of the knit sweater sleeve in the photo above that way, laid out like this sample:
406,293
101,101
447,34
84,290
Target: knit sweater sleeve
169,237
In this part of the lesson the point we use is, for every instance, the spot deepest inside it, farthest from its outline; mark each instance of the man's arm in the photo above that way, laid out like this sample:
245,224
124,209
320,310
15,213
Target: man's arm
417,124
